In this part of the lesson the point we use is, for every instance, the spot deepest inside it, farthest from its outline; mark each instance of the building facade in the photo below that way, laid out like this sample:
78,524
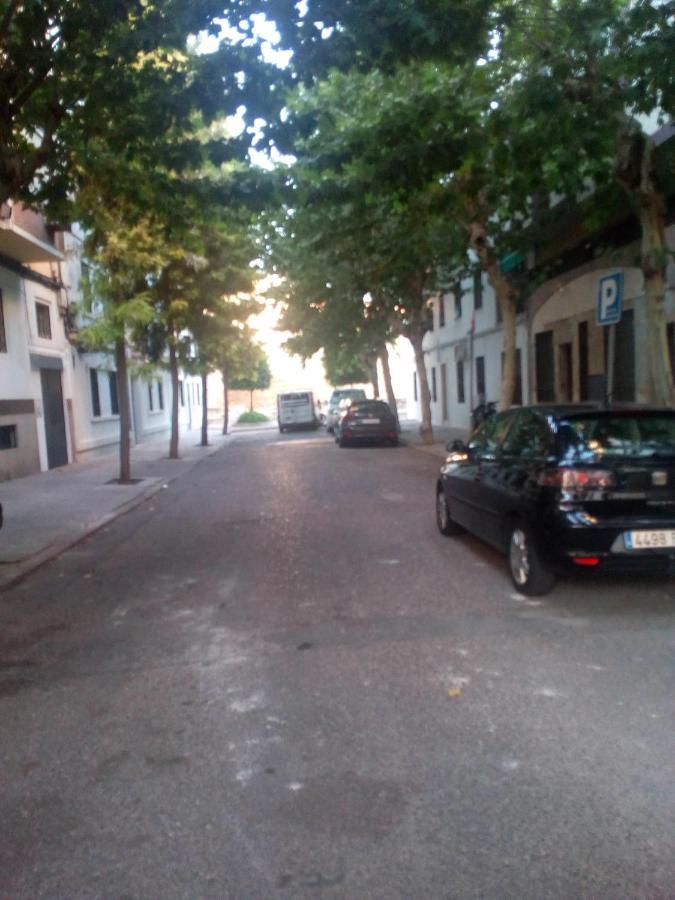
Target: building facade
463,353
58,403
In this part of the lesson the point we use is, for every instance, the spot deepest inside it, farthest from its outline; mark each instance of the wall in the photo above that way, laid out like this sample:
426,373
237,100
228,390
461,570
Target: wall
561,304
468,333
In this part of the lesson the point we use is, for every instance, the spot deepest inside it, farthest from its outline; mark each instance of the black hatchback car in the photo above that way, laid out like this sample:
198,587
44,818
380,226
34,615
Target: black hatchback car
561,487
367,421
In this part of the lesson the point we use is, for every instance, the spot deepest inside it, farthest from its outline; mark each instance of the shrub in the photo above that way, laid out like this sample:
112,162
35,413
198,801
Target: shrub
251,418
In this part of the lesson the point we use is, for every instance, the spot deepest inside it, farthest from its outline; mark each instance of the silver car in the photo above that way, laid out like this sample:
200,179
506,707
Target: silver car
333,412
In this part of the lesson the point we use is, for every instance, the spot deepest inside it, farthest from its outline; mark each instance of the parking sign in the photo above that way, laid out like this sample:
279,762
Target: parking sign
610,299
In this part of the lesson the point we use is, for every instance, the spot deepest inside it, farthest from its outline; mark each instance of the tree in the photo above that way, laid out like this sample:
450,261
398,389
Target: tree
116,73
234,355
257,375
363,228
606,68
122,255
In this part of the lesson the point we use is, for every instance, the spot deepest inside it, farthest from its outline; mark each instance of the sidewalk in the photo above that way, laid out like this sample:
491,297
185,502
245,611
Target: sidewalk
410,435
49,512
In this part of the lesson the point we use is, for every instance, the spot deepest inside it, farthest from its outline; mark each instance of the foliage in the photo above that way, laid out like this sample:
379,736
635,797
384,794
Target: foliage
255,373
117,74
251,418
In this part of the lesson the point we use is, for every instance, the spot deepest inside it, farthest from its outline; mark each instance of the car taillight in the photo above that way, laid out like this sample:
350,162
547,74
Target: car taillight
576,479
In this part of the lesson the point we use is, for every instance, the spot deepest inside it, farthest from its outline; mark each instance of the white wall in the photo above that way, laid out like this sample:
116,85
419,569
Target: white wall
452,341
14,364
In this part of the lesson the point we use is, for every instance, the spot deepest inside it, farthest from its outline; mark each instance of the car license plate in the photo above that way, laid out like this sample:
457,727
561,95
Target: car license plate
370,421
649,540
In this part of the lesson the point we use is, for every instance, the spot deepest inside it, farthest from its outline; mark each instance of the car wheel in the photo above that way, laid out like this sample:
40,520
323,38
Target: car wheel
446,525
394,442
529,572
281,430
342,442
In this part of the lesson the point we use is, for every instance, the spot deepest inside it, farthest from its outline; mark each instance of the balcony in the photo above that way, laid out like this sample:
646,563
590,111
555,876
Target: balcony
24,238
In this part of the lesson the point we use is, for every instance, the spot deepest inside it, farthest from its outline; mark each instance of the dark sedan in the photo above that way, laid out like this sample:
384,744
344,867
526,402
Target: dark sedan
566,487
367,421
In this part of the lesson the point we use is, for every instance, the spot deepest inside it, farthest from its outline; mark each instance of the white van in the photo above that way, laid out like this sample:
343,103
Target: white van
295,410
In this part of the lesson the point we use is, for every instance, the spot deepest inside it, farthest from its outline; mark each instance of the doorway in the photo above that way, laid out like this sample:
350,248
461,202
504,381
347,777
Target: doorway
54,418
565,376
444,392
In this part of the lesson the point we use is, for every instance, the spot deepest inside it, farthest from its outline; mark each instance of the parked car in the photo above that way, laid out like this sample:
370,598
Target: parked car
562,487
332,412
367,421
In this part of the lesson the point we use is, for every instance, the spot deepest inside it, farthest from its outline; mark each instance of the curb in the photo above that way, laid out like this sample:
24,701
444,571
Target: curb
51,551
24,568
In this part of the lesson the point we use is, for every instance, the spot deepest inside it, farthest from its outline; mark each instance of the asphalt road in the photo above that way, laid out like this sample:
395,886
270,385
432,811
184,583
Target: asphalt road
276,679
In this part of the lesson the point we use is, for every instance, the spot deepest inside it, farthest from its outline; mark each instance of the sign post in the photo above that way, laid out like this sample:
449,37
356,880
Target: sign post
608,312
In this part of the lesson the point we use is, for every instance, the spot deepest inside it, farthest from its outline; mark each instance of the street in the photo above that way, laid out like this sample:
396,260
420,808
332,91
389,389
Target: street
275,678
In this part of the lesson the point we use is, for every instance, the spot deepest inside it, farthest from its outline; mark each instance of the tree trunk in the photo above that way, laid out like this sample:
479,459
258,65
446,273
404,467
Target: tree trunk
226,400
416,335
124,409
205,414
386,371
635,173
371,362
250,404
173,369
506,298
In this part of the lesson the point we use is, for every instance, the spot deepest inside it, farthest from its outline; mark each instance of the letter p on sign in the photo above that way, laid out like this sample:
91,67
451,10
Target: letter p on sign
610,299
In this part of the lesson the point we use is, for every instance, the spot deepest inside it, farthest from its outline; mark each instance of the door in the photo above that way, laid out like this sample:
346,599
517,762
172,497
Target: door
543,353
565,376
444,391
509,483
583,361
54,418
466,486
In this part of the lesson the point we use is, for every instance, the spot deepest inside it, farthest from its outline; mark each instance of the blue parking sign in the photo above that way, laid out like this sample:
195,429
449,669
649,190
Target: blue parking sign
610,299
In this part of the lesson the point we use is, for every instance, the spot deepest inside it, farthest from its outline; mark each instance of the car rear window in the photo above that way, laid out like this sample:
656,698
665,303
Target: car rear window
592,438
371,406
349,393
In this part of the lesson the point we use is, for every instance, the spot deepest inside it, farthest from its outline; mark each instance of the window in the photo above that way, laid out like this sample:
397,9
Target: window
181,393
44,324
112,385
434,394
528,438
486,440
480,378
477,289
160,394
8,437
457,291
151,403
95,397
460,381
198,391
3,335
441,310
415,386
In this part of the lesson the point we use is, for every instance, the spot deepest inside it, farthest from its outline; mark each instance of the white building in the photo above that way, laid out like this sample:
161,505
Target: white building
35,355
58,403
463,353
